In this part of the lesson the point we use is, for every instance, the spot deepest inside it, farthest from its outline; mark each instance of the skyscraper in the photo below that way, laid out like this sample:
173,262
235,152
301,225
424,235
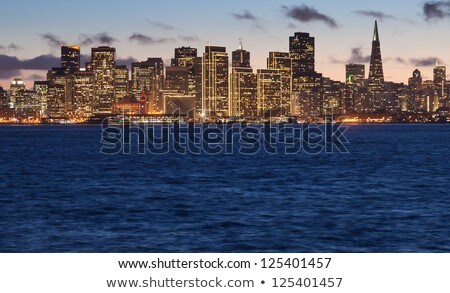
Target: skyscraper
240,58
121,82
439,79
302,52
270,87
215,82
84,93
376,75
355,74
103,65
70,58
148,80
243,92
185,57
282,62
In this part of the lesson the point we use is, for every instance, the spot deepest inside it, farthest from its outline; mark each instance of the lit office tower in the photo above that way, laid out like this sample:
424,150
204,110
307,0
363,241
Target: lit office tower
243,92
121,82
17,89
41,88
215,82
70,58
103,64
376,76
416,100
282,62
177,79
4,103
270,86
355,74
148,81
198,68
302,50
84,94
185,57
439,79
240,58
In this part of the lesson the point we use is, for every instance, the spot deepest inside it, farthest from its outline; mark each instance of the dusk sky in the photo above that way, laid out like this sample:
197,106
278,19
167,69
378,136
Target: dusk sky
413,33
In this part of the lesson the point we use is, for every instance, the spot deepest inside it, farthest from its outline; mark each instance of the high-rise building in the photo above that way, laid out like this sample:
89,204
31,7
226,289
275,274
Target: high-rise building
4,101
121,82
84,94
355,74
17,90
41,88
240,58
376,75
243,93
439,79
103,64
177,79
148,81
59,76
185,57
282,62
215,82
302,52
70,58
415,100
270,87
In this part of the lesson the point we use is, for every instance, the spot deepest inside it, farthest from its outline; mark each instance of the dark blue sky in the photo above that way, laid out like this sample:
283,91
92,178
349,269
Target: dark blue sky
411,36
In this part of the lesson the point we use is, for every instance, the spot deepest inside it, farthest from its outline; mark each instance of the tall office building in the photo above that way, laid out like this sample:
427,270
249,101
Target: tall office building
416,100
84,94
376,75
185,57
215,82
70,58
121,82
103,64
355,74
270,87
240,58
439,79
177,79
282,62
41,88
243,92
4,102
148,81
302,52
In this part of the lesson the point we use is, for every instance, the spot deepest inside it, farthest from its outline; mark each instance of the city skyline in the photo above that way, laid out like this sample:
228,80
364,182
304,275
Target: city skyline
263,28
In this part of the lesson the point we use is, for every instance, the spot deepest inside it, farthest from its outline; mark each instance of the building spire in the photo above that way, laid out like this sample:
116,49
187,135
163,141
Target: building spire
376,37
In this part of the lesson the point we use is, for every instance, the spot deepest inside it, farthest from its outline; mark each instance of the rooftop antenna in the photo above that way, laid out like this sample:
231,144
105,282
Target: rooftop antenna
240,44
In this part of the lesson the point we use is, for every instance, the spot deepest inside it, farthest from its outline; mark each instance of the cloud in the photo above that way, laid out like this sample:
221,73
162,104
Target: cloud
427,61
375,14
305,13
161,25
146,40
248,16
436,10
52,40
357,56
245,15
35,77
9,74
42,62
189,38
10,48
98,39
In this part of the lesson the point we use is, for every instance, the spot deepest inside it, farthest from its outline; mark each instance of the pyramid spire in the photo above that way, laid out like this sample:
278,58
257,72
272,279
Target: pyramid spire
376,37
